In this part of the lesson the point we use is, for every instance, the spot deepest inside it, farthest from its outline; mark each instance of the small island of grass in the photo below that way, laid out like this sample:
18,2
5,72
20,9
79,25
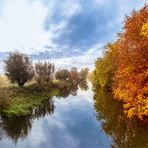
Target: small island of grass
26,86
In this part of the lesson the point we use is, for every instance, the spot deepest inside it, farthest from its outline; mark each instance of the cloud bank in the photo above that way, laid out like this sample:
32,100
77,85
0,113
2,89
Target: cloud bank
69,28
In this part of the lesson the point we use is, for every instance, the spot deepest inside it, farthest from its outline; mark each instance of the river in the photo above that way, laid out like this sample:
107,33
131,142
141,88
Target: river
77,119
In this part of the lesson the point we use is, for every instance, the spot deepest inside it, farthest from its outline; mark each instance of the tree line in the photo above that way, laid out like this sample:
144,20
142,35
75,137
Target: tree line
123,68
19,69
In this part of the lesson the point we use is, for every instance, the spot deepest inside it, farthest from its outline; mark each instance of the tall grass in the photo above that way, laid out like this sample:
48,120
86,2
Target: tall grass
4,92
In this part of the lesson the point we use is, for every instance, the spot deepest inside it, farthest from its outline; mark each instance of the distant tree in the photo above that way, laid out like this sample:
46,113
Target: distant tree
44,72
83,73
105,66
83,85
74,74
74,69
18,68
62,74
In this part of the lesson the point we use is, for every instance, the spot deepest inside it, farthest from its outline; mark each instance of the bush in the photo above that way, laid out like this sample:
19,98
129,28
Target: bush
83,73
18,68
62,74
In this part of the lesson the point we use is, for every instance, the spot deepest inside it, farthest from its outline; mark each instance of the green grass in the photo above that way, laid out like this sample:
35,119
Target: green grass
21,101
25,99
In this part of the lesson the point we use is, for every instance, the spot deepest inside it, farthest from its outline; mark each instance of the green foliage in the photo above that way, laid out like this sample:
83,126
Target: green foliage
62,84
105,67
44,72
18,68
25,99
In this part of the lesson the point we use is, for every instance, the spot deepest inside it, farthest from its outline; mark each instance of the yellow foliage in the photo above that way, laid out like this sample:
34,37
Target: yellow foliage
145,30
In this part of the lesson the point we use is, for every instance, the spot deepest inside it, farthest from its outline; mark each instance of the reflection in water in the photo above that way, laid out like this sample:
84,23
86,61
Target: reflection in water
125,133
47,107
83,85
73,123
17,128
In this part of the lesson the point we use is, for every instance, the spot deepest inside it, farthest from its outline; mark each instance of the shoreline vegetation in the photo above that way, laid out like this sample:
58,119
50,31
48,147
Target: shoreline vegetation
24,86
123,67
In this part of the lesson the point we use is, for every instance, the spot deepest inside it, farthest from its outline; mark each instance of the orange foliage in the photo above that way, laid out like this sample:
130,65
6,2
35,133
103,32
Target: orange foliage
131,77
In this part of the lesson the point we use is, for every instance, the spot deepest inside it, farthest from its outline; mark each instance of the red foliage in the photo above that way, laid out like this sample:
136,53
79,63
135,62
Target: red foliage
131,78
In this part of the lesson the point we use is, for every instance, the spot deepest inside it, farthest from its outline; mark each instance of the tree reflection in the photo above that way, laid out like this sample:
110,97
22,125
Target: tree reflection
17,128
47,107
126,133
64,93
70,91
83,85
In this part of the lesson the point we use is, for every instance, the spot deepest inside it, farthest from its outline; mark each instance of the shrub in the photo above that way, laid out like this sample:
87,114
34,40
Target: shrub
62,74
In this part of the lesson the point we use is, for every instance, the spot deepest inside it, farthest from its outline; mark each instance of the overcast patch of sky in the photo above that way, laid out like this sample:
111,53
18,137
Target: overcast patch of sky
73,24
64,25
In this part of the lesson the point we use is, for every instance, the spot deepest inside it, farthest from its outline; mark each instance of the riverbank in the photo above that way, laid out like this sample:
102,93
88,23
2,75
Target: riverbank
21,101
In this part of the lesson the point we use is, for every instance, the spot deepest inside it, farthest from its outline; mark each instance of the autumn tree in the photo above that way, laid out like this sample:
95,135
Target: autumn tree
44,72
62,74
18,68
145,30
131,78
83,73
105,66
74,74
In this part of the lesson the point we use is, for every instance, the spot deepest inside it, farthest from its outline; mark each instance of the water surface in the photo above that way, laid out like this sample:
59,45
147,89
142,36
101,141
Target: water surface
75,119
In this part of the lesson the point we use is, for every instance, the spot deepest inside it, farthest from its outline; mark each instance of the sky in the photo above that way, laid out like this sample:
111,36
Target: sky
80,27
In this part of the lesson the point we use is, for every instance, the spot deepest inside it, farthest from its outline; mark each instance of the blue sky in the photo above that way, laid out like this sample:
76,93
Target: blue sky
81,27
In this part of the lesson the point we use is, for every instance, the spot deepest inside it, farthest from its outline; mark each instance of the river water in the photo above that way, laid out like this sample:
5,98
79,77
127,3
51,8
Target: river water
77,119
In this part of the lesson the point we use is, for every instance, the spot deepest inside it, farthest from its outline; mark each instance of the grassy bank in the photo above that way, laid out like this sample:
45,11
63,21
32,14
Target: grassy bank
23,100
18,101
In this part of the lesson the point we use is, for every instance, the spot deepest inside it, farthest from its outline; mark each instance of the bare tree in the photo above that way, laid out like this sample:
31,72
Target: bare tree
44,72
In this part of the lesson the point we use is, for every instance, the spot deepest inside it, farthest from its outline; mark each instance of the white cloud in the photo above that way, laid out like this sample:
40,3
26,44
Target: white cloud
85,60
21,25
